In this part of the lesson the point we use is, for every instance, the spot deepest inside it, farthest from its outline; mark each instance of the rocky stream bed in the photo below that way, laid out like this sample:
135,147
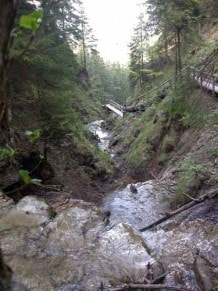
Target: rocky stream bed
77,249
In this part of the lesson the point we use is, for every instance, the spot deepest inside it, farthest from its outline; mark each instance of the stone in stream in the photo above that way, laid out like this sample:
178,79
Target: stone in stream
71,250
174,242
75,251
133,188
8,281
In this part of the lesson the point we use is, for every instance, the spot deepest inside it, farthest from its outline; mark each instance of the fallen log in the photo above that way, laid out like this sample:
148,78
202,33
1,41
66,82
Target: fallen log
147,287
179,210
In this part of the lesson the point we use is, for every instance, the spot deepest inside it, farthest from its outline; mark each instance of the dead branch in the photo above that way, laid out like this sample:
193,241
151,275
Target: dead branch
179,210
190,197
50,187
159,278
153,175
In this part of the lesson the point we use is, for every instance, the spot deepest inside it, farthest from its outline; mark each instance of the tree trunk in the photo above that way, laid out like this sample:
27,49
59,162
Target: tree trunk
84,46
166,44
176,60
142,55
179,57
7,16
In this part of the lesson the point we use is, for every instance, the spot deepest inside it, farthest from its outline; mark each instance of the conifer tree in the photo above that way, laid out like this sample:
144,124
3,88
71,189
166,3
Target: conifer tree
137,49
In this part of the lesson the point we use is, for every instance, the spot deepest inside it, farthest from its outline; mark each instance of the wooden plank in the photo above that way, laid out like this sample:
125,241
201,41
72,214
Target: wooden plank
206,83
116,105
115,110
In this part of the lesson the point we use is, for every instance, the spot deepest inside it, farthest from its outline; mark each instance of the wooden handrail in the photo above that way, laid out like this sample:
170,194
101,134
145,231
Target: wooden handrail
194,70
202,78
156,88
115,104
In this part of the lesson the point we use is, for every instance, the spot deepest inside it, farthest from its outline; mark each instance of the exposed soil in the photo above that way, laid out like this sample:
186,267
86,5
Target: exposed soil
61,171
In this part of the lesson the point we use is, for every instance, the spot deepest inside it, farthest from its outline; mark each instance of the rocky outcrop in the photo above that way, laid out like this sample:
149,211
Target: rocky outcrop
71,250
175,242
8,281
77,250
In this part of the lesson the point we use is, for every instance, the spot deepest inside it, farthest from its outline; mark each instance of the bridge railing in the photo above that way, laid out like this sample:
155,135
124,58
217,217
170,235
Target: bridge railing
204,79
116,105
168,84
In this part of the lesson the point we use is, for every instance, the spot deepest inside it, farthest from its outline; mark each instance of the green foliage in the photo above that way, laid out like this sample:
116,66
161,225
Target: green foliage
191,177
33,135
6,230
25,177
213,117
144,145
214,152
138,156
186,105
186,119
107,81
169,142
139,74
7,152
58,115
162,158
31,21
104,162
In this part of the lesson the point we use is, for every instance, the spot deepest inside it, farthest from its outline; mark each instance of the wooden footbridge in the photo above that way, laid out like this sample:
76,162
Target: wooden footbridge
115,107
203,79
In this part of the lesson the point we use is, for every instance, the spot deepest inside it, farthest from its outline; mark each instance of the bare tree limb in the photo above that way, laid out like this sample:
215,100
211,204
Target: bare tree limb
190,197
179,210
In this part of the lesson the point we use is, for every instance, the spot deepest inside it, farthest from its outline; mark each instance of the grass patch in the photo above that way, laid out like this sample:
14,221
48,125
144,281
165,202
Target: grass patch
104,162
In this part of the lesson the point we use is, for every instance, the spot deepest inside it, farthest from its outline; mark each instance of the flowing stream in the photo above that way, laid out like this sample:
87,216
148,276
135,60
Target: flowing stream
79,250
104,136
172,245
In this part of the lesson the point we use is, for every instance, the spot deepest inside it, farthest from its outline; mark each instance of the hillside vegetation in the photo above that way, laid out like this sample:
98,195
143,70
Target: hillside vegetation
175,136
55,82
